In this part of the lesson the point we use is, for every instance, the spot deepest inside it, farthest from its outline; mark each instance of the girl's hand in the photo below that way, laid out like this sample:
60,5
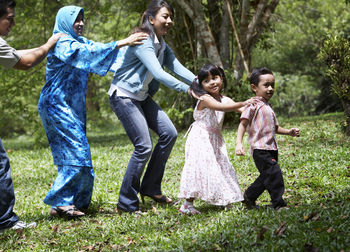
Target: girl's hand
240,150
251,101
295,132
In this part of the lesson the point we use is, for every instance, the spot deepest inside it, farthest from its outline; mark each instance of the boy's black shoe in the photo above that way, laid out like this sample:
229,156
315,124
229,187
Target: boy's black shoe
279,205
249,203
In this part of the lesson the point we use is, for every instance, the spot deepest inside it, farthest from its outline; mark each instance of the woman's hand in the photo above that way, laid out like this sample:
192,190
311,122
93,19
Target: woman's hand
133,39
193,94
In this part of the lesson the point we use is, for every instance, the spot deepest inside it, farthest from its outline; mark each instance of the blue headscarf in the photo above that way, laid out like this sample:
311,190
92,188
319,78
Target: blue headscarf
65,19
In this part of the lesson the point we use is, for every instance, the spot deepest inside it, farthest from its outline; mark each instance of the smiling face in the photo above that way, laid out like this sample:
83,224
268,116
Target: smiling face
162,22
78,25
7,21
212,84
265,87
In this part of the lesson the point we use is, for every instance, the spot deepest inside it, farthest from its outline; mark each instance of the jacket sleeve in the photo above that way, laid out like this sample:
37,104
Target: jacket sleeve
174,65
89,56
146,54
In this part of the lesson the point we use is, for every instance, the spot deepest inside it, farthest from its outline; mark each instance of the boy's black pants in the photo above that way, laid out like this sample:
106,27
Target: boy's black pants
270,177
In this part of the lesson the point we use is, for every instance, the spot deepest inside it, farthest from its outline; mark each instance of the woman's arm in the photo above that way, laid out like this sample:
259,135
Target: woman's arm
146,54
174,65
133,39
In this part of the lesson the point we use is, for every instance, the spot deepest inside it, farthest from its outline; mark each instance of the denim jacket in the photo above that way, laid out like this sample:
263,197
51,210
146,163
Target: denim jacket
136,61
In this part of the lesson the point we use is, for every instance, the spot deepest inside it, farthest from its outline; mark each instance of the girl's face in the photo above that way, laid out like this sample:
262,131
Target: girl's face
212,84
78,25
162,22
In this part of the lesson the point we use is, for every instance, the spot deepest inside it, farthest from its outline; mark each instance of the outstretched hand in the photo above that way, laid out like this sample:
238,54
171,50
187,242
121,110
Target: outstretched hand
295,132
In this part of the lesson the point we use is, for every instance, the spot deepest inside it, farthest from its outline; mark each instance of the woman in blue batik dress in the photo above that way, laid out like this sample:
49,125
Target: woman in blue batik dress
62,108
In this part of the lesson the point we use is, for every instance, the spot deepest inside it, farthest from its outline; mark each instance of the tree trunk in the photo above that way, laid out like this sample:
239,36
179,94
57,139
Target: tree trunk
194,10
224,41
250,32
346,105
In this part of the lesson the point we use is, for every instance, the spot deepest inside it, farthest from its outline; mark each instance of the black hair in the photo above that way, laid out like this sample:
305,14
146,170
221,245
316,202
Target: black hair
4,4
151,11
203,73
255,75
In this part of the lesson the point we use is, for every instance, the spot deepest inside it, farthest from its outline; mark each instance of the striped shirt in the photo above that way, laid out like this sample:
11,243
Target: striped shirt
262,125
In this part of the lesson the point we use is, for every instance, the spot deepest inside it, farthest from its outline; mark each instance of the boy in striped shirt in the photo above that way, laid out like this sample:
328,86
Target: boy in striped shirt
260,121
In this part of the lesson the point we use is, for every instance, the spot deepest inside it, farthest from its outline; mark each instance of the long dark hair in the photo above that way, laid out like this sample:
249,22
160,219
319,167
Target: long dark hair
4,4
203,73
151,11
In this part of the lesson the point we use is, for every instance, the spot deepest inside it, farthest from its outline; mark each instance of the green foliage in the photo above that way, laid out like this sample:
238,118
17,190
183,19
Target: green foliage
315,169
336,55
298,30
294,95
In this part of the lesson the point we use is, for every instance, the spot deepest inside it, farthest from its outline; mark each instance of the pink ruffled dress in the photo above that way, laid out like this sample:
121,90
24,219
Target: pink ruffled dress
208,173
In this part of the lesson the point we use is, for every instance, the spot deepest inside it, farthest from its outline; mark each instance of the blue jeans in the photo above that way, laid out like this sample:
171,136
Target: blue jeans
137,117
7,195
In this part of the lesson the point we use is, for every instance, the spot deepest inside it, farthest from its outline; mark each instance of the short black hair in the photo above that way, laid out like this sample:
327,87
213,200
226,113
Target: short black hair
254,77
4,4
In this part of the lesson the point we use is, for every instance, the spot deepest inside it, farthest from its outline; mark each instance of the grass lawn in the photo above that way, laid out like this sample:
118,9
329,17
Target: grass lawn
316,170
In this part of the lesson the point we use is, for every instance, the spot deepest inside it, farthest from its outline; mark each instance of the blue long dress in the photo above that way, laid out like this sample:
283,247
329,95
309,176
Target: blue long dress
62,109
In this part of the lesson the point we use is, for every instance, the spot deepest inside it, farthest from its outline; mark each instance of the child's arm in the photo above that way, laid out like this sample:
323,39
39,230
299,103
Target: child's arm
291,132
240,150
229,105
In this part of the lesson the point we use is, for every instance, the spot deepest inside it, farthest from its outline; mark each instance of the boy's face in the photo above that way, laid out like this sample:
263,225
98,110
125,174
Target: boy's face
7,21
265,87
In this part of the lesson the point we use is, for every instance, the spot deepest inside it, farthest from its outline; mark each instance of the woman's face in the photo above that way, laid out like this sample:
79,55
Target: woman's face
78,25
162,22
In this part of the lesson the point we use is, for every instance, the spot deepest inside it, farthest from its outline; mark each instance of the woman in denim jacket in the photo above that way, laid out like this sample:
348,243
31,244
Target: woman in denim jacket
138,73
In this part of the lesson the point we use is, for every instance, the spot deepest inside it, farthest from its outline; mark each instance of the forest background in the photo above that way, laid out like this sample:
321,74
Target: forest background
286,36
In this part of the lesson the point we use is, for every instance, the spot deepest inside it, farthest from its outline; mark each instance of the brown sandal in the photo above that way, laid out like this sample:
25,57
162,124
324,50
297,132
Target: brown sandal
67,211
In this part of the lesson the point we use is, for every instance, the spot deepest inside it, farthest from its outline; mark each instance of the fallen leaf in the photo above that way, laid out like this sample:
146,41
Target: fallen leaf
154,210
330,229
308,217
281,229
54,228
260,235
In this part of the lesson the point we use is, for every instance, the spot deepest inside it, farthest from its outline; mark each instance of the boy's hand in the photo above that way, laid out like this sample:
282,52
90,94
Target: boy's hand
295,132
240,150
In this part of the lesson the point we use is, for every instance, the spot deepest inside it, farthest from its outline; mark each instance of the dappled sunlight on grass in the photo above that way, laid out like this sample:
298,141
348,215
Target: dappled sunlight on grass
316,170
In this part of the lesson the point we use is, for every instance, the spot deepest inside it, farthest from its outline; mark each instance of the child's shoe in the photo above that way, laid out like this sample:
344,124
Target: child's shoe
188,209
249,203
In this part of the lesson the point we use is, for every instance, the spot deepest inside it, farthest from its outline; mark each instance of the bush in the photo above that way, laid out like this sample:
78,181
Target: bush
336,54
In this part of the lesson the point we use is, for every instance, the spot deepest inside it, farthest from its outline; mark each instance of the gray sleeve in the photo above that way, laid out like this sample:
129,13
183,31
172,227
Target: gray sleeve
8,55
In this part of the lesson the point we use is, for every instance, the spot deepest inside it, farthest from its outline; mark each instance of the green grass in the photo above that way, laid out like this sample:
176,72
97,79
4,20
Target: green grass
316,169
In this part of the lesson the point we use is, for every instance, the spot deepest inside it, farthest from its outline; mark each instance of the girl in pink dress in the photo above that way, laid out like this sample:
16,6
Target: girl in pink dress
208,173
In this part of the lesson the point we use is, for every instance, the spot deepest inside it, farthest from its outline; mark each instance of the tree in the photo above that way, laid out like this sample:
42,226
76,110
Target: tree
211,25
